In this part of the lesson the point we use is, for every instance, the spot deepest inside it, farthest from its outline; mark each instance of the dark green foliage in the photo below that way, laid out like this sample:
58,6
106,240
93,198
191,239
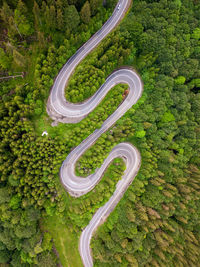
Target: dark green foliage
20,235
91,73
4,256
157,222
80,210
29,170
47,260
94,5
71,16
86,13
149,231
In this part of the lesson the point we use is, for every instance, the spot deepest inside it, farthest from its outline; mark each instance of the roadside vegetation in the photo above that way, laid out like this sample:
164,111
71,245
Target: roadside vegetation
65,240
157,221
35,44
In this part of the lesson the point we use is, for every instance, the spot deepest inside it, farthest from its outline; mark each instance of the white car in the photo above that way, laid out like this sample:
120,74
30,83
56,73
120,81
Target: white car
118,7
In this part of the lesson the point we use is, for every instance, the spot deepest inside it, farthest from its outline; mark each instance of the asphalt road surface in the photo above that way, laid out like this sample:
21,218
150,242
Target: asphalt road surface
61,110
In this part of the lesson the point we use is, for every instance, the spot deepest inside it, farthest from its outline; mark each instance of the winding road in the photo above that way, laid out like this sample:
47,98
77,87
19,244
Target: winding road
61,110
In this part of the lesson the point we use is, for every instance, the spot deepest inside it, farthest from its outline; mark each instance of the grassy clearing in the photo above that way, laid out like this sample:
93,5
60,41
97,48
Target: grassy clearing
43,122
65,241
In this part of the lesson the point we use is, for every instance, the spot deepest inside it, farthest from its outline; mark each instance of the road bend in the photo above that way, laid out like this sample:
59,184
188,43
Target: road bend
63,111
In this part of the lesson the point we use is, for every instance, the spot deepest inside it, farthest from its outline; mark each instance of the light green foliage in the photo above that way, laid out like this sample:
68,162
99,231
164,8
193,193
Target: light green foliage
167,117
178,3
82,209
15,202
156,203
104,144
156,222
30,185
92,78
140,134
46,242
91,73
5,59
196,33
22,24
180,80
38,107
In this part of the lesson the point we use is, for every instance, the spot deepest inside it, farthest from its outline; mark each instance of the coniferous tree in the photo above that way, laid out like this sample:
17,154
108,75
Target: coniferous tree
86,13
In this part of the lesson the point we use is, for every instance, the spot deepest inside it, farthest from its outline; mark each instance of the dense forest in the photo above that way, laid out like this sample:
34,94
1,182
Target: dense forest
157,223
